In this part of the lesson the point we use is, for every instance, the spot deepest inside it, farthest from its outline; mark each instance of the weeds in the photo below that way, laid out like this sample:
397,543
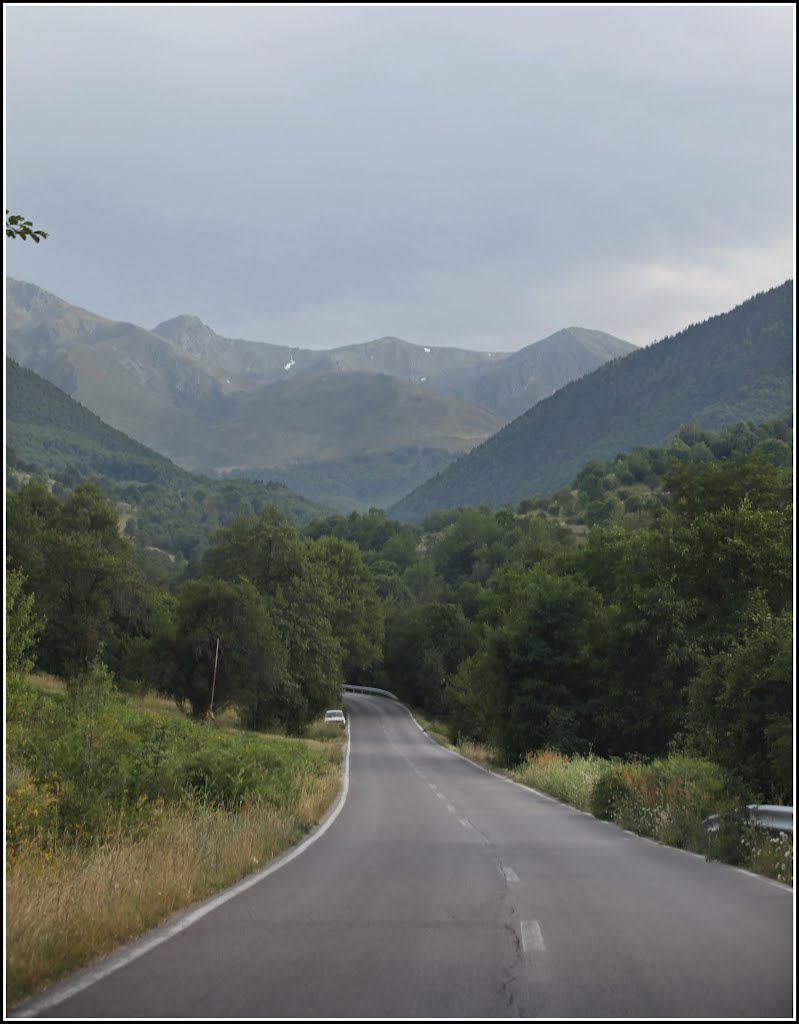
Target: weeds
570,779
116,817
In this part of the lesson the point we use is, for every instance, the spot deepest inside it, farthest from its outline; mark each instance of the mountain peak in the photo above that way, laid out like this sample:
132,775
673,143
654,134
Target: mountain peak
187,331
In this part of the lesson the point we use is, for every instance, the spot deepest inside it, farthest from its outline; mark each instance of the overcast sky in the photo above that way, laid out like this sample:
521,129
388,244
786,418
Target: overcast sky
479,177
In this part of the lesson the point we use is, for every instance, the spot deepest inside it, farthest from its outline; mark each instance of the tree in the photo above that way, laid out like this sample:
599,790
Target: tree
227,647
18,227
425,644
699,488
267,552
741,708
22,625
356,612
539,663
80,569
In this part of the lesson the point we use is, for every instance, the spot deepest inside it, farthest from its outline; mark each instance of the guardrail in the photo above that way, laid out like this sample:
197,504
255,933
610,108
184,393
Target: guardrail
771,816
369,689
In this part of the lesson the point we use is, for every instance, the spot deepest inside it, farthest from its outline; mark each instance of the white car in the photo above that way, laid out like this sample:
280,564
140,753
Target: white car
337,717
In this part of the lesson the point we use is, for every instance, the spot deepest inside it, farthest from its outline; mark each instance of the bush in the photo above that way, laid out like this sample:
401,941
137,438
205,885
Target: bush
87,764
609,792
667,799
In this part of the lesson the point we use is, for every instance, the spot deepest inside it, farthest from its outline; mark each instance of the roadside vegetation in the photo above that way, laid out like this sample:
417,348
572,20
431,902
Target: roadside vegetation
668,799
117,815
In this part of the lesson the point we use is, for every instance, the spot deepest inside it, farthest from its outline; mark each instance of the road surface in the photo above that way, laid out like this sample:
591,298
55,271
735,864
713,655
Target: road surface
441,890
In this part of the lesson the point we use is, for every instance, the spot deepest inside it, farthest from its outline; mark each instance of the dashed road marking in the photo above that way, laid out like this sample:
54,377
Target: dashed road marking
532,938
451,809
510,876
465,822
535,953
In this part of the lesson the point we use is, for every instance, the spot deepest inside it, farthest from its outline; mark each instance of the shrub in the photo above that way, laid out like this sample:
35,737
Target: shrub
571,779
667,799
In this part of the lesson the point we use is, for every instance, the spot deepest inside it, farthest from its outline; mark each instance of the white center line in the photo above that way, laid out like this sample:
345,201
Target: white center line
510,875
451,809
465,822
532,939
441,796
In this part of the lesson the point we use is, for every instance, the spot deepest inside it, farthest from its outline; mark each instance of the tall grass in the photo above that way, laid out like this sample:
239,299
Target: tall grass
570,779
66,907
116,817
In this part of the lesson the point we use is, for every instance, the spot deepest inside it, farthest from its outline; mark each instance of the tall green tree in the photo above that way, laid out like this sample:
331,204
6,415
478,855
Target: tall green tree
82,572
540,667
22,625
741,707
268,552
227,651
355,610
425,645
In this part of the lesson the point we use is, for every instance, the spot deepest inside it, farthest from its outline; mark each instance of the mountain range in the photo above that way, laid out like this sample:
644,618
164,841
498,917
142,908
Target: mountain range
351,427
735,366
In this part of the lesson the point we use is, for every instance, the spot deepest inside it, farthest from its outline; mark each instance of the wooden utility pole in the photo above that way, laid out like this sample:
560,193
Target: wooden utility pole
210,713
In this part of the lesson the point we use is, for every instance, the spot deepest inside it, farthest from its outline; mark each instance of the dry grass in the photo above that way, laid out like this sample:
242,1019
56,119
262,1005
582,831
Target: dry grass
435,729
65,909
478,752
570,779
47,682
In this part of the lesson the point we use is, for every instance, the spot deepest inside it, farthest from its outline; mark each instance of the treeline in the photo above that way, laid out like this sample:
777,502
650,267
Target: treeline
270,623
645,609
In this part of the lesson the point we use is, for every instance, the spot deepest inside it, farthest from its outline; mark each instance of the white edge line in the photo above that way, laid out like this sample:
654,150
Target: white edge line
61,991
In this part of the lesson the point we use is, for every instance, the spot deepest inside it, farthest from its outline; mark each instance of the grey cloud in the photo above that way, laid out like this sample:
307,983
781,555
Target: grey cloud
457,175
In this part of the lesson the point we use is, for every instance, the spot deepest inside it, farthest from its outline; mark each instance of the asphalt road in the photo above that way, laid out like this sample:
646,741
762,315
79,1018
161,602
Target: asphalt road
441,890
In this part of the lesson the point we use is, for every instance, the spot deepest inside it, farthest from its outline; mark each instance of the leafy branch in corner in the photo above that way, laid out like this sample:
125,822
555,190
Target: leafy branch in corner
18,227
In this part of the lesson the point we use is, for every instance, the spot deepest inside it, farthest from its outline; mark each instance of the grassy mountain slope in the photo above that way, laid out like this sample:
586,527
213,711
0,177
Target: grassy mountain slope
337,414
736,366
361,481
52,435
133,379
240,365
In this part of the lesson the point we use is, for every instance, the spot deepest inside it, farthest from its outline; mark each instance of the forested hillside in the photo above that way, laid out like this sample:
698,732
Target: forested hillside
51,431
738,366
